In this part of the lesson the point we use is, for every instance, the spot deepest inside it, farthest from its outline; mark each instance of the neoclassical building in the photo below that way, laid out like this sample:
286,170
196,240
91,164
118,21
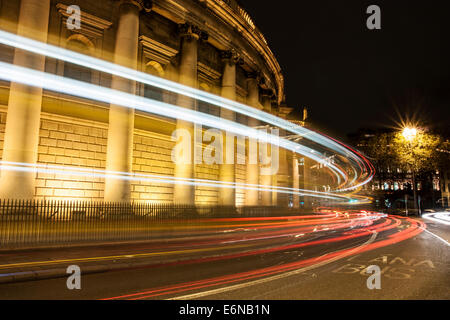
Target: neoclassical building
212,45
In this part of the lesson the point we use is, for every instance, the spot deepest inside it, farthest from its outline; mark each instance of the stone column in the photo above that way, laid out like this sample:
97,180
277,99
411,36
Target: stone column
185,194
266,196
307,180
171,73
24,106
252,173
119,154
227,196
283,170
267,101
266,180
295,181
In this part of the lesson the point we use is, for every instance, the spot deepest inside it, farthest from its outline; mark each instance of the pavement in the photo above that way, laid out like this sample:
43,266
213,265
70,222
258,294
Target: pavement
294,259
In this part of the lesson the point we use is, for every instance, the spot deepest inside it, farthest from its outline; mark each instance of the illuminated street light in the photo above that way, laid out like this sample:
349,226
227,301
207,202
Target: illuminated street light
409,133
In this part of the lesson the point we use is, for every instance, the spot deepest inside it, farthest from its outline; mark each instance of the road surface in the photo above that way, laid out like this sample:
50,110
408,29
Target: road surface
306,257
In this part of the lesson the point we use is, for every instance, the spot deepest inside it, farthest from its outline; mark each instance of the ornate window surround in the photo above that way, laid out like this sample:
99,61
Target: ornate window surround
156,51
91,26
91,33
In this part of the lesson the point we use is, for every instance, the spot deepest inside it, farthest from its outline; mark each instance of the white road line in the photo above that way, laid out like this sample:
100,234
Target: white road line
435,235
276,277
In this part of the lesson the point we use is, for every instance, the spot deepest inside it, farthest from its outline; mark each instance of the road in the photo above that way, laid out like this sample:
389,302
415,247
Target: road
306,257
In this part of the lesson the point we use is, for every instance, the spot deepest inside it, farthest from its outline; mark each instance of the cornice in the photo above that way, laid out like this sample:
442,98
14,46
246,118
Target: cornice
157,50
86,18
145,5
208,72
253,36
283,111
241,91
175,11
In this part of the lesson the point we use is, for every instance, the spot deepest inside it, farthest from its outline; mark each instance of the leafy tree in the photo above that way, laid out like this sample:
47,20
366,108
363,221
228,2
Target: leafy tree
418,154
393,150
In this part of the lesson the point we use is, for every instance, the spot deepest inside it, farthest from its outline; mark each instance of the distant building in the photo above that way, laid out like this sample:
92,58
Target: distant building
391,187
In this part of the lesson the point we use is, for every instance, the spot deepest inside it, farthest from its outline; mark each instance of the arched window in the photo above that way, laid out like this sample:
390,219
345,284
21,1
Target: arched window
80,44
154,68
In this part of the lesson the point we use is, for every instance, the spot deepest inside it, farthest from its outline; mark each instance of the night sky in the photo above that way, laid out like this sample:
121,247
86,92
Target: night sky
350,77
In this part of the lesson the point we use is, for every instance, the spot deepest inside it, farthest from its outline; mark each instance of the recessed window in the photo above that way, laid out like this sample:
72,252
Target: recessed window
154,68
74,71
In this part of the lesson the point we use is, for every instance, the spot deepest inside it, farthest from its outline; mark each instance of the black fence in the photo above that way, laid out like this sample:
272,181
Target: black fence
35,223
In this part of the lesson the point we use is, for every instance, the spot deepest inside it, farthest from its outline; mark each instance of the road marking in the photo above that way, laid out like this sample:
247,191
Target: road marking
435,235
140,255
280,276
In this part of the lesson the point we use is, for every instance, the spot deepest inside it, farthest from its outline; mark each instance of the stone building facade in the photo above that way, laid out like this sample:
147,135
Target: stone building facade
212,45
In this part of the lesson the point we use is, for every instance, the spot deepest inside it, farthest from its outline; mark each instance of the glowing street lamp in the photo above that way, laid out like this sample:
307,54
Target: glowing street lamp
409,133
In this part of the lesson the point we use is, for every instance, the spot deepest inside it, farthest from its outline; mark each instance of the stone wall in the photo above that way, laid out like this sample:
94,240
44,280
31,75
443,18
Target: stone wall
2,131
72,142
64,141
206,195
152,155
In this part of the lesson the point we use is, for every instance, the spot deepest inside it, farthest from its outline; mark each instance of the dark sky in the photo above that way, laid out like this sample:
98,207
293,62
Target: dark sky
351,77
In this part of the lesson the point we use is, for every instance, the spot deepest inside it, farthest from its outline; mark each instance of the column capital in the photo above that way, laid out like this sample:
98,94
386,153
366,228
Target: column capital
145,5
192,31
231,56
253,75
267,93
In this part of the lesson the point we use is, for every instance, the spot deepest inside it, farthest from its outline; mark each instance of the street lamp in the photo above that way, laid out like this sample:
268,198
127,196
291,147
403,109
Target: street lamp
410,133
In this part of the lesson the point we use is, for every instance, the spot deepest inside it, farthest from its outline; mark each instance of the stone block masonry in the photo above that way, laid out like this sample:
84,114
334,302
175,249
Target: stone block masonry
66,142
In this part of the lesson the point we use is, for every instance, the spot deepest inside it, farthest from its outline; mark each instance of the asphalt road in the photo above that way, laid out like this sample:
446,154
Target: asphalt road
309,257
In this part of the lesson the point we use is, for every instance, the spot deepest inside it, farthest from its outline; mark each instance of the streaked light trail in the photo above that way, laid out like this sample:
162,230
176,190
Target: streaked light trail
107,67
97,173
358,164
391,225
438,217
51,82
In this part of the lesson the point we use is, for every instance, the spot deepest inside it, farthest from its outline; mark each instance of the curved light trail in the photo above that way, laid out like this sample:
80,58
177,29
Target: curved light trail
357,231
78,88
110,68
361,167
438,217
246,250
107,67
140,177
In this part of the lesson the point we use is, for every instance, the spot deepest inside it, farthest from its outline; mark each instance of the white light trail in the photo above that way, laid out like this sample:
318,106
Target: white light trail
438,217
107,67
78,88
139,177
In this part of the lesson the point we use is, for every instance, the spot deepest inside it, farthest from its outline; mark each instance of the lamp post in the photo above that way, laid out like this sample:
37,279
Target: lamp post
410,134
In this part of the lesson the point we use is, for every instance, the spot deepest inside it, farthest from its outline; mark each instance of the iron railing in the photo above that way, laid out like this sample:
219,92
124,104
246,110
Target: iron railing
35,223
